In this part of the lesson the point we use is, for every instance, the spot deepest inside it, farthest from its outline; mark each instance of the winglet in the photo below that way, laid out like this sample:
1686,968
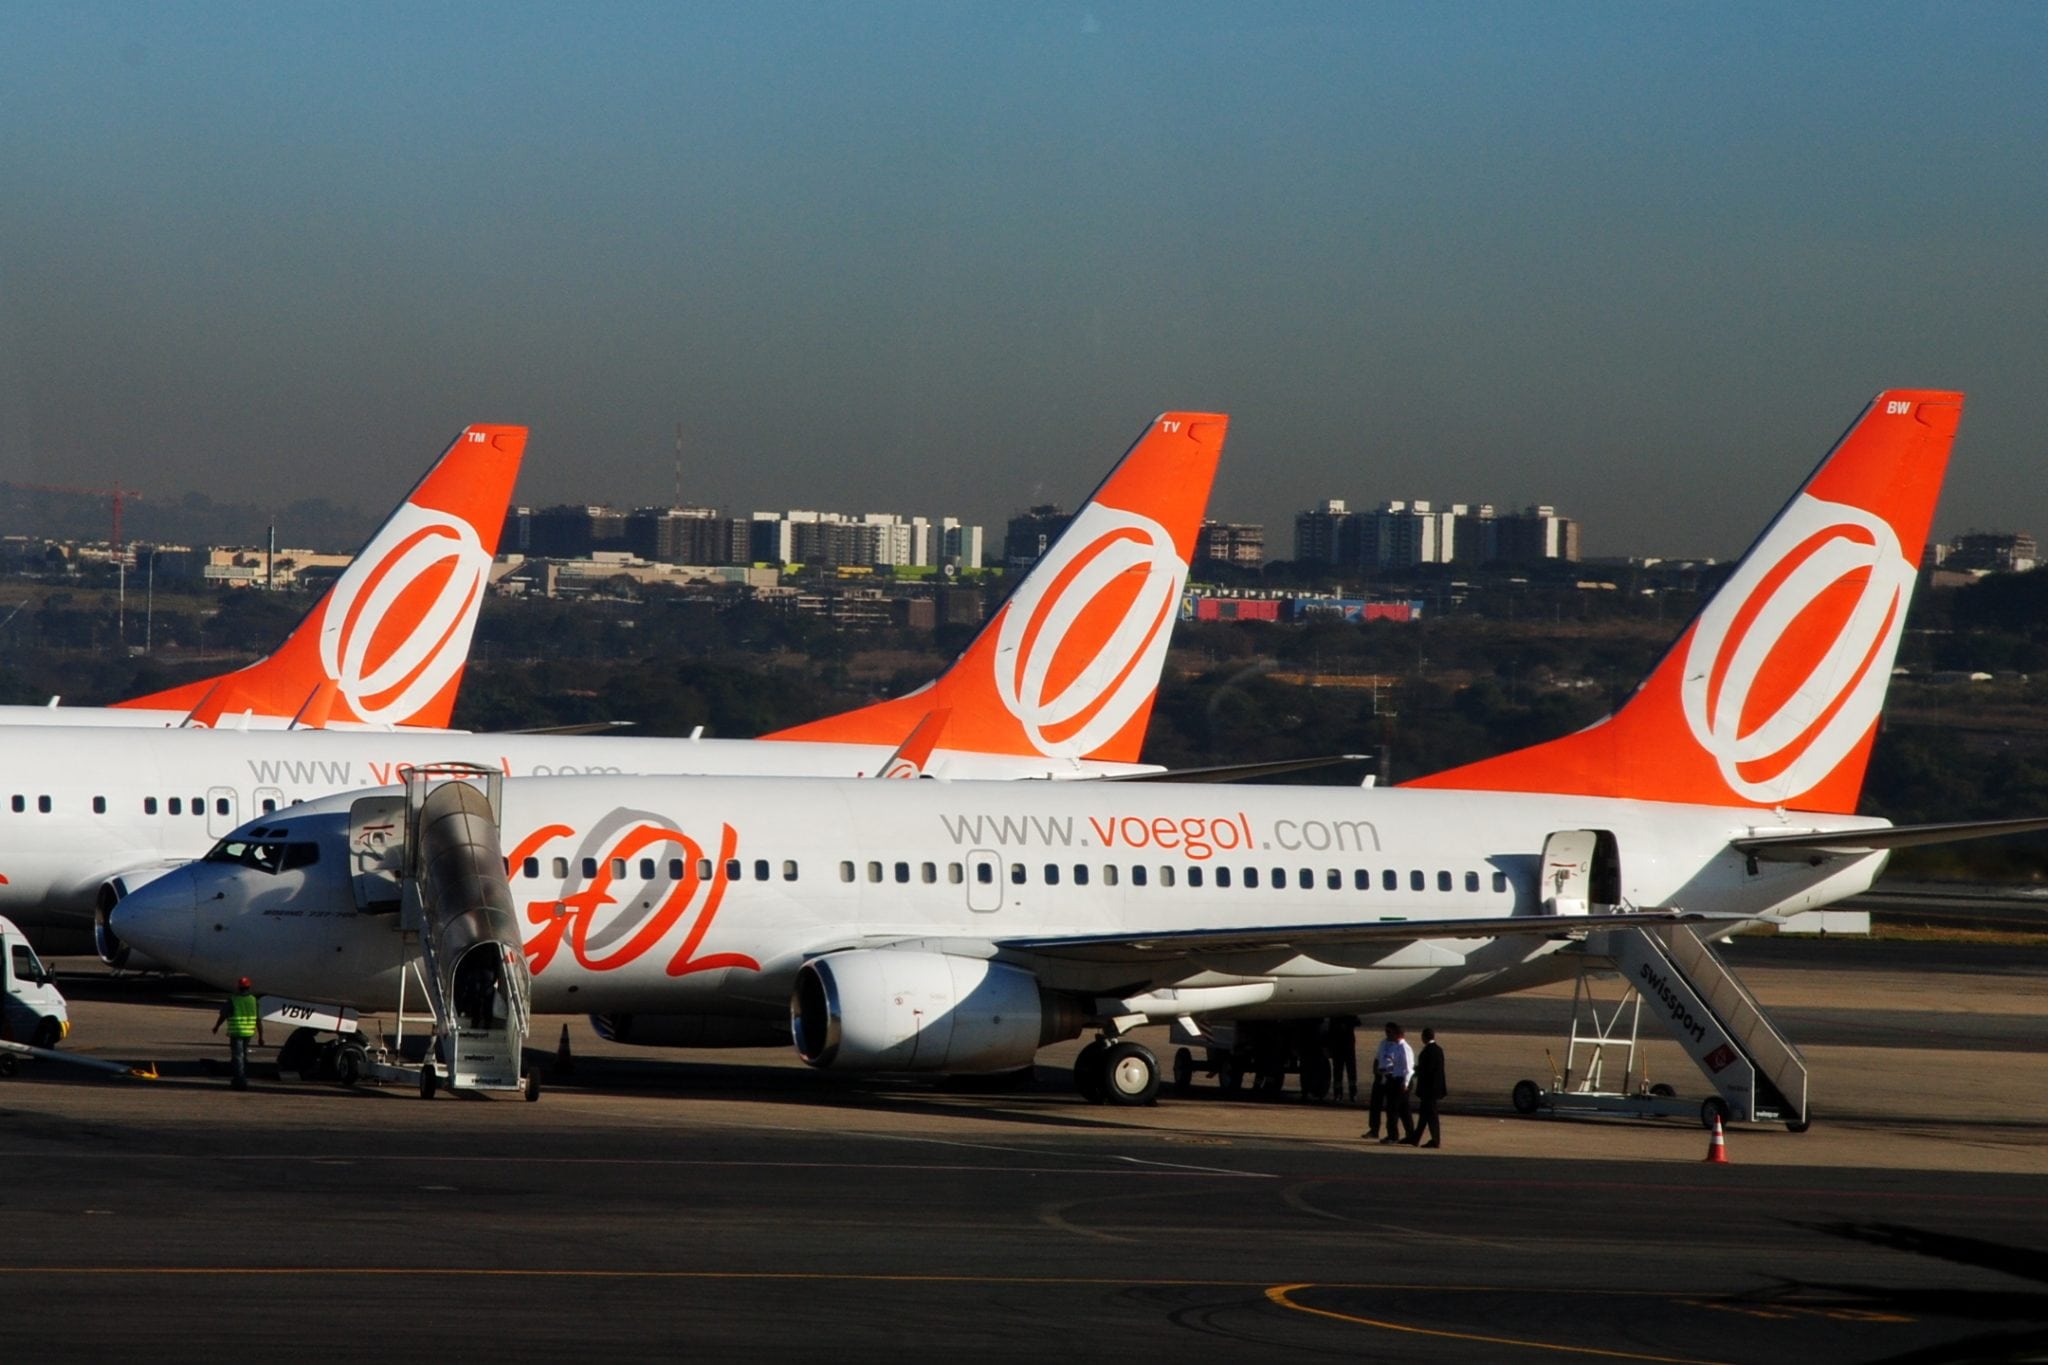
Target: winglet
909,760
1069,664
1771,696
392,635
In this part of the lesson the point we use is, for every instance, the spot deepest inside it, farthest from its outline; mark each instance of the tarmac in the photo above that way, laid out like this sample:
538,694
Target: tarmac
736,1205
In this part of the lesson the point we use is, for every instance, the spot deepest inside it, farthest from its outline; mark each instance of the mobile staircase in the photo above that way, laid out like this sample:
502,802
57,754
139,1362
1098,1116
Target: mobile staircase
1756,1072
456,903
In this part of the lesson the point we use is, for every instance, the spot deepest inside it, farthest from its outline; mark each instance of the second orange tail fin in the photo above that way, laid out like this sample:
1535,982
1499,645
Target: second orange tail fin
1069,664
392,635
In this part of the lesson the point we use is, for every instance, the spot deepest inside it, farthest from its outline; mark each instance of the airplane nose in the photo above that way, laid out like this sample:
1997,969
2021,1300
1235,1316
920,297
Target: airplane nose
158,919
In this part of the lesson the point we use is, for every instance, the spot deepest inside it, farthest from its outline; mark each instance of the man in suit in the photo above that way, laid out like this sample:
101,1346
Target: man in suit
1429,1088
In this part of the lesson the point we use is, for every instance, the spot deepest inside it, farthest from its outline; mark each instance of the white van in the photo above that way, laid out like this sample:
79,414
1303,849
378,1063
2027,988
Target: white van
31,1009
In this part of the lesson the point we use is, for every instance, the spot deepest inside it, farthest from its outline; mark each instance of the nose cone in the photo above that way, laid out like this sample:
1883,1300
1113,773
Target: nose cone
158,920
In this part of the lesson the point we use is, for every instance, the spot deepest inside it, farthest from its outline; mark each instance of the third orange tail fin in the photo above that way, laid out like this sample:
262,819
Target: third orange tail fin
1069,664
1771,696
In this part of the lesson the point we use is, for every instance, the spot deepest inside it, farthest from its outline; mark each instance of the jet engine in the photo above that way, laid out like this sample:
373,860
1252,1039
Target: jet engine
897,1010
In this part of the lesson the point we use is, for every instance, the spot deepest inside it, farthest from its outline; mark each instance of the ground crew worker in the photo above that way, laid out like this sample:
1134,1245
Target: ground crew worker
1343,1044
1391,1068
245,1021
1429,1088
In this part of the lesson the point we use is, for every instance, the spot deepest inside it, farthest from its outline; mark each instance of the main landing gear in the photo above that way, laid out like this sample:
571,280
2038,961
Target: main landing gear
1117,1071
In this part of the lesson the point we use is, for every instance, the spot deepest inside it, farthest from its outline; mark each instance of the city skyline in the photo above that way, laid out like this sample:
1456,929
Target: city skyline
1638,261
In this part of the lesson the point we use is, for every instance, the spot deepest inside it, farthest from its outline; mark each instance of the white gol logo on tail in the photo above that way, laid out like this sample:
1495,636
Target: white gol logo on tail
415,542
1106,543
1848,675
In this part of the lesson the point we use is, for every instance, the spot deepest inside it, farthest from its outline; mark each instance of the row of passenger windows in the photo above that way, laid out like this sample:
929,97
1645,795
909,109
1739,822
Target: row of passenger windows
172,805
1250,878
1052,874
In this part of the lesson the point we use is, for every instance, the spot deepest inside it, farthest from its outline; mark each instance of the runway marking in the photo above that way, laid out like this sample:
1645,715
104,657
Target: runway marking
1206,1170
1295,1196
1278,1294
1054,1217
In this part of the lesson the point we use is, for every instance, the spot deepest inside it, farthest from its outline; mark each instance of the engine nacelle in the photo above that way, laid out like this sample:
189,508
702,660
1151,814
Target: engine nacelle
890,1010
689,1030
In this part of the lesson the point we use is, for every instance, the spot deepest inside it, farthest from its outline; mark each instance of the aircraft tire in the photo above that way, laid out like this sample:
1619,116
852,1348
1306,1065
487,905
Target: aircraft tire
1527,1097
351,1064
1131,1073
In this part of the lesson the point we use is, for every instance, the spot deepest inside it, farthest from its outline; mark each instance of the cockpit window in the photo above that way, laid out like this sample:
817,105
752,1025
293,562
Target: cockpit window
265,856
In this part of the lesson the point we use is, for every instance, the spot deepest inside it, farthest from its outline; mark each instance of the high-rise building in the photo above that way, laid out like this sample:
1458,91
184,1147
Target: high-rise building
1242,545
1031,534
959,545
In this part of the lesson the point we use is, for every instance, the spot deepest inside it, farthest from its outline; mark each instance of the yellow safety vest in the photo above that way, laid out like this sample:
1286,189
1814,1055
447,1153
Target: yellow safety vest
242,1024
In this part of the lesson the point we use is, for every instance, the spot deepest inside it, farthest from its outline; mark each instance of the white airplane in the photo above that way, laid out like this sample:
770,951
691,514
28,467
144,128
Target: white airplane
958,926
385,646
1058,684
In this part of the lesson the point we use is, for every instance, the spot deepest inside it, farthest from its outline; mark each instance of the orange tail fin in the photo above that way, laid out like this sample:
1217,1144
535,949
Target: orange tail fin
1069,664
391,637
1771,696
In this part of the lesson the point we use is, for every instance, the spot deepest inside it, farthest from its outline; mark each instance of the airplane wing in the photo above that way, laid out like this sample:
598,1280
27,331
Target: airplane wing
1855,843
1305,938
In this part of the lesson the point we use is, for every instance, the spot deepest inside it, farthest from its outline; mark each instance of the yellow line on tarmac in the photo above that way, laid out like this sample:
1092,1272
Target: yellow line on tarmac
1279,1294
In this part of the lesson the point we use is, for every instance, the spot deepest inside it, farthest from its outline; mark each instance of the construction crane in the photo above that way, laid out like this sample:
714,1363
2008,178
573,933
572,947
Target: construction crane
117,495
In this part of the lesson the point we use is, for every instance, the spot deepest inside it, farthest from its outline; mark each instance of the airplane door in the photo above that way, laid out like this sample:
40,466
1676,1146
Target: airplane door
1581,868
220,811
266,800
984,881
376,851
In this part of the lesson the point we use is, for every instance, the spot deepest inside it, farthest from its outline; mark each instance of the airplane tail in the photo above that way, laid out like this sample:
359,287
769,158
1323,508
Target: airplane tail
1069,664
387,643
1771,696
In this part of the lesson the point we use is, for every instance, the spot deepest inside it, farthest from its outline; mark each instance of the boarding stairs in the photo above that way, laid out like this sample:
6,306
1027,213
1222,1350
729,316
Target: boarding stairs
455,903
1758,1073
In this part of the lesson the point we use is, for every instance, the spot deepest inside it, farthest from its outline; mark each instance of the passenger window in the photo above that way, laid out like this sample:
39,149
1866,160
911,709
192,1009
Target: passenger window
1166,875
985,873
1052,874
618,868
703,869
1016,874
199,805
789,869
647,869
954,874
530,868
675,869
902,872
1109,874
99,805
874,872
561,868
1500,881
1362,880
1251,879
174,805
1305,879
732,869
43,805
268,805
1080,874
1194,876
1222,878
846,872
1390,880
220,805
1279,879
928,873
20,804
1471,881
1443,881
760,869
1416,881
1334,879
590,867
1137,874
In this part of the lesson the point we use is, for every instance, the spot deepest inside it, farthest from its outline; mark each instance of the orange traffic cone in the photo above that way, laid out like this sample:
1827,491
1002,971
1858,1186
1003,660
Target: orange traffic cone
1717,1146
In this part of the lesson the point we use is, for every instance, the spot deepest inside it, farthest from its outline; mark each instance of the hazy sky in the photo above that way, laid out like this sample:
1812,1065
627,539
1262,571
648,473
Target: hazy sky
1643,261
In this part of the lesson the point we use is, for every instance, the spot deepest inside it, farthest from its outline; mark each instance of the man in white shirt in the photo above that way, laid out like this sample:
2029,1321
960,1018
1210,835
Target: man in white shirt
1391,1068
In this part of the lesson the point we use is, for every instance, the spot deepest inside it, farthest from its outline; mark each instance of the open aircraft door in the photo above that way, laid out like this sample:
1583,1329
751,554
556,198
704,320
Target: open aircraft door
1581,868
